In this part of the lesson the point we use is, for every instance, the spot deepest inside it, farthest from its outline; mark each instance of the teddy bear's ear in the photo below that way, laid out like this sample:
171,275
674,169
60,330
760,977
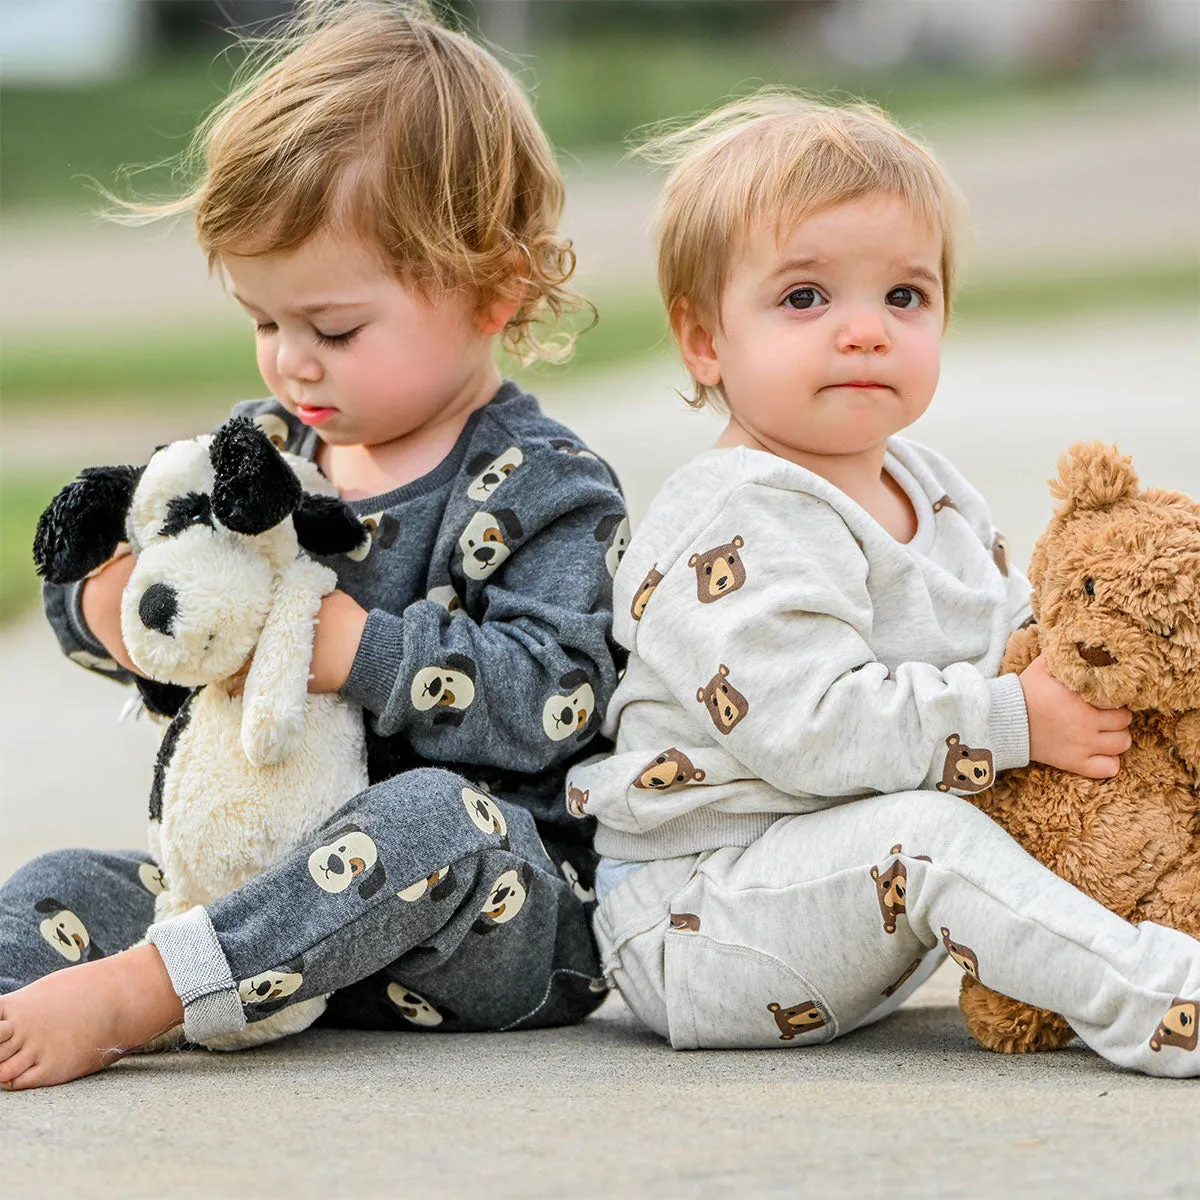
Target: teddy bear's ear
326,525
1092,475
84,523
254,488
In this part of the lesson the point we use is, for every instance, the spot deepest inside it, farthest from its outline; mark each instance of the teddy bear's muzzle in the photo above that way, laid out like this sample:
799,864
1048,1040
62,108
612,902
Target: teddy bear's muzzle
1095,656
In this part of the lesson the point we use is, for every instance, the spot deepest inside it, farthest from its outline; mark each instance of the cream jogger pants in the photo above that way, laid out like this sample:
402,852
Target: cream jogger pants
831,919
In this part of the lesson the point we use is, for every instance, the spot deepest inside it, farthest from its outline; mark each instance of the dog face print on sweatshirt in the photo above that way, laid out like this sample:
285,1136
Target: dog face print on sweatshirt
487,541
65,932
569,710
491,471
448,687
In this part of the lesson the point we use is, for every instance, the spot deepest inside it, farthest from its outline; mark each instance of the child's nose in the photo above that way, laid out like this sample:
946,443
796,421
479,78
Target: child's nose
863,330
296,361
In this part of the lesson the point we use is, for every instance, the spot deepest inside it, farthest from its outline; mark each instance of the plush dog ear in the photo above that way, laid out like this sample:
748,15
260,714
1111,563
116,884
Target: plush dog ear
84,523
254,488
326,525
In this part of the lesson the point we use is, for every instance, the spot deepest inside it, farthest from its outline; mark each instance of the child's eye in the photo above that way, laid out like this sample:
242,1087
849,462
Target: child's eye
906,297
803,298
336,339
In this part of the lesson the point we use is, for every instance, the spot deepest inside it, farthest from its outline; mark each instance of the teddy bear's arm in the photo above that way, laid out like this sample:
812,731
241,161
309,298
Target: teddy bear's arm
1023,647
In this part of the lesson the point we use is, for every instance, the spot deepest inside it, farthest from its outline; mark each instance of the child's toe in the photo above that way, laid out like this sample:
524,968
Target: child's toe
15,1066
8,1040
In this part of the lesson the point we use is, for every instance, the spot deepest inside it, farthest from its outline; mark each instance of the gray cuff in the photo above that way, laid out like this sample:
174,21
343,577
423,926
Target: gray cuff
1008,724
377,662
199,974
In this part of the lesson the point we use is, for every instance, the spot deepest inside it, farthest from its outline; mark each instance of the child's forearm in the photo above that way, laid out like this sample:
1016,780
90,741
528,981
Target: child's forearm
100,604
340,625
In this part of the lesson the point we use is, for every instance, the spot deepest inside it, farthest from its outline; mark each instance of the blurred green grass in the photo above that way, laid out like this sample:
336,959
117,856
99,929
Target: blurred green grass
589,92
22,498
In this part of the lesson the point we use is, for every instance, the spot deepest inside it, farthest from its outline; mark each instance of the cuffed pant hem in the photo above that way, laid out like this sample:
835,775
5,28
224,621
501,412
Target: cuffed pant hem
200,975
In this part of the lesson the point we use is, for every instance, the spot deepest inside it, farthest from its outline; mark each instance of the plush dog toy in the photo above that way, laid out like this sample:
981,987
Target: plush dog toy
219,525
1116,596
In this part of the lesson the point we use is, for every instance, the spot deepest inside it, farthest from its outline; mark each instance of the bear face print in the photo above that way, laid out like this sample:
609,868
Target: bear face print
891,888
963,955
642,596
719,571
909,971
382,529
449,688
487,541
577,801
1000,555
437,886
672,768
613,529
571,875
66,932
151,877
725,704
944,502
335,866
966,770
570,710
799,1019
685,922
446,596
413,1007
271,986
505,899
491,471
1178,1027
484,812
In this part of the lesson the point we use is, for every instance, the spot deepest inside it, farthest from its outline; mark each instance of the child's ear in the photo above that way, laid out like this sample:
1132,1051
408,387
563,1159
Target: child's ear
497,312
696,344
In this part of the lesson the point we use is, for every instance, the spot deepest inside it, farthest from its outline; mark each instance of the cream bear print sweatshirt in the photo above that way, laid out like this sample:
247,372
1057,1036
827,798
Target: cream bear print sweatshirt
787,653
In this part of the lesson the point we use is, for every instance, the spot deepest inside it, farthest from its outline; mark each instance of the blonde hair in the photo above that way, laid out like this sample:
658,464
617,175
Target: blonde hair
780,157
373,119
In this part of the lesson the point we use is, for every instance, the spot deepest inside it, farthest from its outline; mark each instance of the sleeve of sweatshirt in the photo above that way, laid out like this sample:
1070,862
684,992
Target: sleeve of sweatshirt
523,682
764,623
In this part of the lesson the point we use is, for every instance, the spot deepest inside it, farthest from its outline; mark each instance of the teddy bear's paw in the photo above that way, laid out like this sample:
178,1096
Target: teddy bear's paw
1008,1026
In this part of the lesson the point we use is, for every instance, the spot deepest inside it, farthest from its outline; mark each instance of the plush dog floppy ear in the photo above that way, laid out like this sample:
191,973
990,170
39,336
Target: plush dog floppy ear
326,525
84,523
254,488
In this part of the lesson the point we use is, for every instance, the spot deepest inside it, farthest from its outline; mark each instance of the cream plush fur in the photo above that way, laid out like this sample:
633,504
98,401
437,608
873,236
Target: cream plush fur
249,777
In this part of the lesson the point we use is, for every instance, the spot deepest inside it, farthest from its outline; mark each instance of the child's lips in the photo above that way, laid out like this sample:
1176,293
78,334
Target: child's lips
314,414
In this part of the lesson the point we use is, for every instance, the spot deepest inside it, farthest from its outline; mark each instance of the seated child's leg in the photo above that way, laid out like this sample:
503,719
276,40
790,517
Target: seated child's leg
73,906
423,865
803,934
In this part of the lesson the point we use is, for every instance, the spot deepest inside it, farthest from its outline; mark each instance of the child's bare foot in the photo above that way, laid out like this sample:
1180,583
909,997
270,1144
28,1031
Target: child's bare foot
82,1018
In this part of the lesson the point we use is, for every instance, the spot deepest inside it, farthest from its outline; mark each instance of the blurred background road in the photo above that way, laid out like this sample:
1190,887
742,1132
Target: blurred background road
1074,129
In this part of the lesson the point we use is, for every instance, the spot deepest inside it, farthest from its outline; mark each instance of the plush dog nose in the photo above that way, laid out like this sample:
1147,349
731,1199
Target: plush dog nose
158,607
1095,656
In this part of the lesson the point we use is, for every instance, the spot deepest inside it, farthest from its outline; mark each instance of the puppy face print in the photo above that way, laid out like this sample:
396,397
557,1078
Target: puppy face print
275,427
450,688
484,812
490,473
269,986
487,541
570,710
446,596
351,855
642,596
568,447
571,875
719,571
505,900
66,932
412,1007
383,530
151,877
437,886
725,704
613,529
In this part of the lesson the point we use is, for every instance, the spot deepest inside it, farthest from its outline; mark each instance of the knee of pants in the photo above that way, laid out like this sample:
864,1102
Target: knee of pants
941,815
55,873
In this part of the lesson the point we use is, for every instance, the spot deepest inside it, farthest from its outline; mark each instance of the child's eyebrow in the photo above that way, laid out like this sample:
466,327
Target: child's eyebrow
307,310
912,270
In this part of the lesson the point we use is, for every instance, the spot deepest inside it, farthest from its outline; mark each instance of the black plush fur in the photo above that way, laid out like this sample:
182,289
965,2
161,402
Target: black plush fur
84,523
254,488
325,525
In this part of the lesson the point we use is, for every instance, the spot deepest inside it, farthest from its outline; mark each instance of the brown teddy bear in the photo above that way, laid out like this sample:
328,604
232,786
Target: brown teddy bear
1116,597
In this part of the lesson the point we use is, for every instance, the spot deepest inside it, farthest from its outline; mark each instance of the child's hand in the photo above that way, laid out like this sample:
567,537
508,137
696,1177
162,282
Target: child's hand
1065,731
101,605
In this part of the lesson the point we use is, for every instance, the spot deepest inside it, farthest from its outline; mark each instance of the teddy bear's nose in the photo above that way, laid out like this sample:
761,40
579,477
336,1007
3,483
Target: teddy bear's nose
158,607
1095,656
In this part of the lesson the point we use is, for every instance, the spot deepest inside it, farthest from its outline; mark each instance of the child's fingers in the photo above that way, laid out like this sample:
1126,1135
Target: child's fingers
1115,742
1101,766
1113,718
